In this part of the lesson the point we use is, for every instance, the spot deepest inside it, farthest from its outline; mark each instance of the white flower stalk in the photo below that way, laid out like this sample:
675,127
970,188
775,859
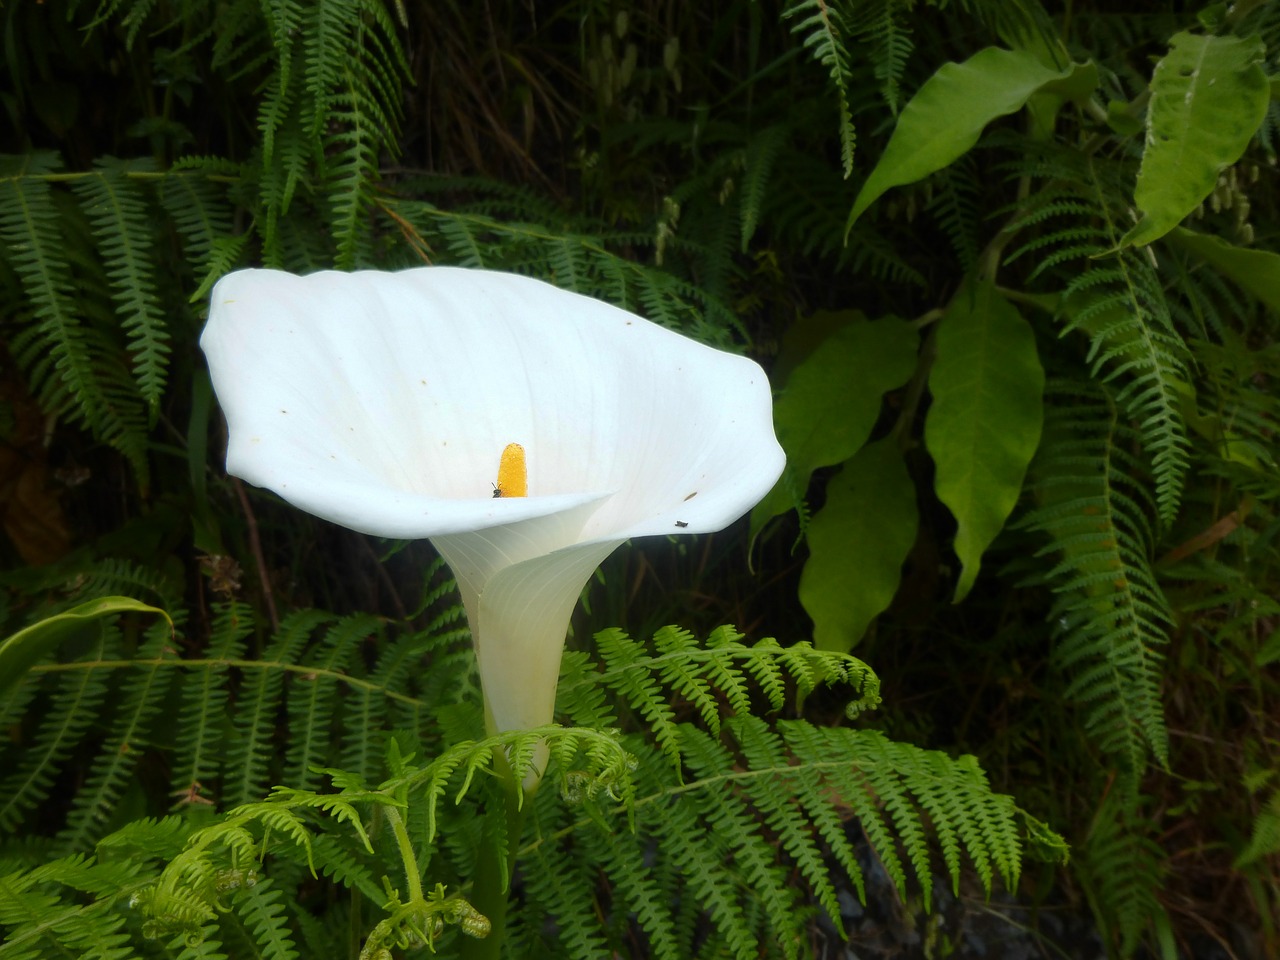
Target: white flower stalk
384,401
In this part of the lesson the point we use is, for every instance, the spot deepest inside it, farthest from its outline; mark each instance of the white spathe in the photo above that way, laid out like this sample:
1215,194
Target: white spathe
383,401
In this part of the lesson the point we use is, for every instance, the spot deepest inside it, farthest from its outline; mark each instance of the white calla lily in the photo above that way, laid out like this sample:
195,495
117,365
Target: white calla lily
383,401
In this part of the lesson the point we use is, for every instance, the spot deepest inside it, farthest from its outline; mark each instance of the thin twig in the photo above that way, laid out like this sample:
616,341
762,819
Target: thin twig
255,545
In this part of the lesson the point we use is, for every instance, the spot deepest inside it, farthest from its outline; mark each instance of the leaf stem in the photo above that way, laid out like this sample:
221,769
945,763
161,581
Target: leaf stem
412,875
490,890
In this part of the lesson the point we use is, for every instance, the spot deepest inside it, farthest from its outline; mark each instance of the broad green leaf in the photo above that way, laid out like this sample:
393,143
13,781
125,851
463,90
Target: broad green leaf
1051,52
948,113
857,544
806,335
831,402
984,423
1208,98
1255,271
21,650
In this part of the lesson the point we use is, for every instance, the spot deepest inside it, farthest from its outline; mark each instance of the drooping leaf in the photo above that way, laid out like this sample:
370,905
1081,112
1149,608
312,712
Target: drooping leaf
857,543
21,650
831,401
984,424
1256,271
948,113
1208,97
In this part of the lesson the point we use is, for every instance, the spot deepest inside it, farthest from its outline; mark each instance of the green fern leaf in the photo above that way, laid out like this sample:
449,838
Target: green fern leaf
878,26
76,698
252,750
201,741
200,212
637,888
563,889
140,698
352,173
823,31
780,800
202,944
1124,865
260,904
760,157
1111,615
313,700
121,222
72,368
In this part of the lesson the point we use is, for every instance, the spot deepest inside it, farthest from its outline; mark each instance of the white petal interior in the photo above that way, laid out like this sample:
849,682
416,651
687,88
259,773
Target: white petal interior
383,401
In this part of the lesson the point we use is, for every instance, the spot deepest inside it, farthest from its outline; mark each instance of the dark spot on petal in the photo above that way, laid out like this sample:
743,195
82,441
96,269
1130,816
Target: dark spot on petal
692,495
681,523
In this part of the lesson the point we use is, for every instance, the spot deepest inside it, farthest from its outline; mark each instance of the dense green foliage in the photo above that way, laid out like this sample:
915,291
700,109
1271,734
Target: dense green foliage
1010,269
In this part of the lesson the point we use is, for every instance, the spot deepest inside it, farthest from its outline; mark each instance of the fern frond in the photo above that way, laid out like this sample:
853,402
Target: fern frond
700,674
495,199
760,156
253,750
757,808
200,743
564,889
1264,841
787,806
199,210
874,255
824,34
161,838
352,172
328,32
140,698
312,701
909,781
15,703
201,945
1111,616
1124,864
879,27
640,890
76,698
340,857
242,36
287,149
578,262
117,576
71,368
260,904
1117,298
285,25
956,208
44,912
121,221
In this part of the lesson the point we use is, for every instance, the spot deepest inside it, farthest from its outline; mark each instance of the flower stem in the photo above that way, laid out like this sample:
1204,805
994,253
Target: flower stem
490,889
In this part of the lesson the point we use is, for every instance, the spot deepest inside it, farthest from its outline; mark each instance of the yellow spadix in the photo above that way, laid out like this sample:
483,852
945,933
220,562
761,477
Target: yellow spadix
513,473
